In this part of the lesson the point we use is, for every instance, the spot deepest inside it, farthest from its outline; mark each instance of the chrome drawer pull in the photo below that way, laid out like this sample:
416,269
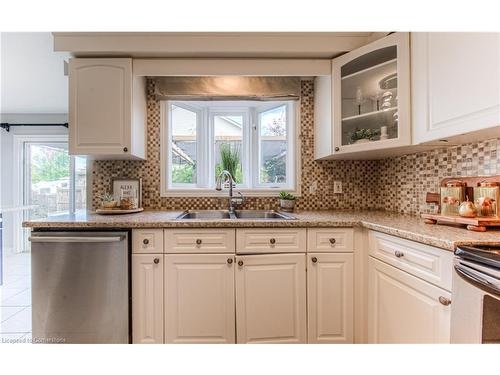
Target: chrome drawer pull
399,254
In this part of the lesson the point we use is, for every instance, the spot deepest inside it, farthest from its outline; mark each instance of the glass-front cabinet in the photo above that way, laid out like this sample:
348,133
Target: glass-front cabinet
371,96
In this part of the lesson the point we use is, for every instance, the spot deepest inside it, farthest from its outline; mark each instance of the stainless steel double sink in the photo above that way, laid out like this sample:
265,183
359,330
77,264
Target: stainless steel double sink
238,214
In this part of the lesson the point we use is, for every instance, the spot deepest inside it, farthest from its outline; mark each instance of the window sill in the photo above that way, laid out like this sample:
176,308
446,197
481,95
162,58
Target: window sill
272,193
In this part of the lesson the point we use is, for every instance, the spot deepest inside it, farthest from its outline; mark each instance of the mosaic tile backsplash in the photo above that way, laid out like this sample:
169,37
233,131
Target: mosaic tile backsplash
396,184
404,181
354,174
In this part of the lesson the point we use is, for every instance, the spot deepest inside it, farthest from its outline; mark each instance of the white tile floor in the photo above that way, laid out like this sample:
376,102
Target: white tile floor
15,303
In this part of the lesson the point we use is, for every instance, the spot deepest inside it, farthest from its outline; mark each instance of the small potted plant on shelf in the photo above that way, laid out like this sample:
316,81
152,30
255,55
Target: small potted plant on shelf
287,201
108,201
363,135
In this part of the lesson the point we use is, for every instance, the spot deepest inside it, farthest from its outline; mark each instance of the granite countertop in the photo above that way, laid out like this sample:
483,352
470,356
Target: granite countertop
405,226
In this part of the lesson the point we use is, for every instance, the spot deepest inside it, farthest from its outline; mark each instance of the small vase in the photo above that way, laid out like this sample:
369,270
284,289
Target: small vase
287,204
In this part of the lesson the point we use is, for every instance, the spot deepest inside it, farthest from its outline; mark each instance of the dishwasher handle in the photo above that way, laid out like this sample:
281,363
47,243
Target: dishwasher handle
81,239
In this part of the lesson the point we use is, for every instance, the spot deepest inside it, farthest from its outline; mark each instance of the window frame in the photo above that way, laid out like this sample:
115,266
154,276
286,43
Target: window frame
199,168
245,145
206,185
291,147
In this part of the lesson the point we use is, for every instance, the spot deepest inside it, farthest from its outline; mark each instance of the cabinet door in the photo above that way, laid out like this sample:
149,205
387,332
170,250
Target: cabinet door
100,102
405,309
455,84
330,298
371,96
199,298
147,299
271,298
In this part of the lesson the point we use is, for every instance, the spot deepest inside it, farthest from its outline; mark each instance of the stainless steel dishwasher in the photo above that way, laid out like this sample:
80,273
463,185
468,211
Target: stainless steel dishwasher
80,287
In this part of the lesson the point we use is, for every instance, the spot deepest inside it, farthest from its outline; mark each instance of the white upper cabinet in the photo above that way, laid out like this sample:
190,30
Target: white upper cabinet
455,86
369,111
107,109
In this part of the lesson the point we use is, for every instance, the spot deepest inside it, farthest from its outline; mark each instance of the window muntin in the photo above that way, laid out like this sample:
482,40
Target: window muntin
256,138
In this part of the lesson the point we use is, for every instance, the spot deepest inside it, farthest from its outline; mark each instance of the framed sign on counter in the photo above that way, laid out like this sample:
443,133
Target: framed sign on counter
128,189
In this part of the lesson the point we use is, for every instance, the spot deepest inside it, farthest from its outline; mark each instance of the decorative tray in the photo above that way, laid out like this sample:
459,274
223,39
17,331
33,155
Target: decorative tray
117,211
477,224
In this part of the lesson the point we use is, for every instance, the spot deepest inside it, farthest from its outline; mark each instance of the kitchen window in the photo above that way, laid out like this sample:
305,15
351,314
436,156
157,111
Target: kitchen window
255,140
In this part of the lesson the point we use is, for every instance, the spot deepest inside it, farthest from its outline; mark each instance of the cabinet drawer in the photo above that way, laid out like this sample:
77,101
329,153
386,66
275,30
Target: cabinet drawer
147,241
330,240
427,262
271,241
198,241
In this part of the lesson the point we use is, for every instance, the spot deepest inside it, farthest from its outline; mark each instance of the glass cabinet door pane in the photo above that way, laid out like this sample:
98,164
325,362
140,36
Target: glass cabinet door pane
369,90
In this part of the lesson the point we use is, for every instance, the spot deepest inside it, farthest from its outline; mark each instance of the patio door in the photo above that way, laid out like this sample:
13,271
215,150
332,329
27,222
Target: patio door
52,182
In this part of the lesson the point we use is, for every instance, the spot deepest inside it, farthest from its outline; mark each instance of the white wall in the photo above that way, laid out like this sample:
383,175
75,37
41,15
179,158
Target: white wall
32,75
33,89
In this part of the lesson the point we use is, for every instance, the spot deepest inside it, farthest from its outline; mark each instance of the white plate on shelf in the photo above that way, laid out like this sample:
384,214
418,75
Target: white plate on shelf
117,211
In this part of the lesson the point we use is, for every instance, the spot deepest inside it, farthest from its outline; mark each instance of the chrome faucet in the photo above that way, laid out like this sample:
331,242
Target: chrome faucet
220,180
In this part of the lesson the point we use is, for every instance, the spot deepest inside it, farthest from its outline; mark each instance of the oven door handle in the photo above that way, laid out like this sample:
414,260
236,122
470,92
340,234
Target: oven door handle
489,283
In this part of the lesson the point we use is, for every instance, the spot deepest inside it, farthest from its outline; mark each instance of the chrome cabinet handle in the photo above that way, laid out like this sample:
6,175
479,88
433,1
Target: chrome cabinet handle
240,263
198,241
314,259
332,240
444,301
272,241
145,241
399,254
156,260
229,260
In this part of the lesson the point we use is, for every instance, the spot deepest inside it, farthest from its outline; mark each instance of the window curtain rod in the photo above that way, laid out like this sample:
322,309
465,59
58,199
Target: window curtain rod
7,126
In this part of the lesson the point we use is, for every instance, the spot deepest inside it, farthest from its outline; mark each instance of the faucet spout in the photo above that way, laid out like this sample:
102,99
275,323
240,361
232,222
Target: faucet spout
221,178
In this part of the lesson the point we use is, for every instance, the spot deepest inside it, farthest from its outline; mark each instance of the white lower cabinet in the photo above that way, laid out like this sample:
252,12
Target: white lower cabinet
405,309
147,299
330,297
199,298
271,298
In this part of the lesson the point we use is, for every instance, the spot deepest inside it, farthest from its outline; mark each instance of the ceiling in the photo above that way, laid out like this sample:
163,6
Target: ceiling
215,44
32,76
